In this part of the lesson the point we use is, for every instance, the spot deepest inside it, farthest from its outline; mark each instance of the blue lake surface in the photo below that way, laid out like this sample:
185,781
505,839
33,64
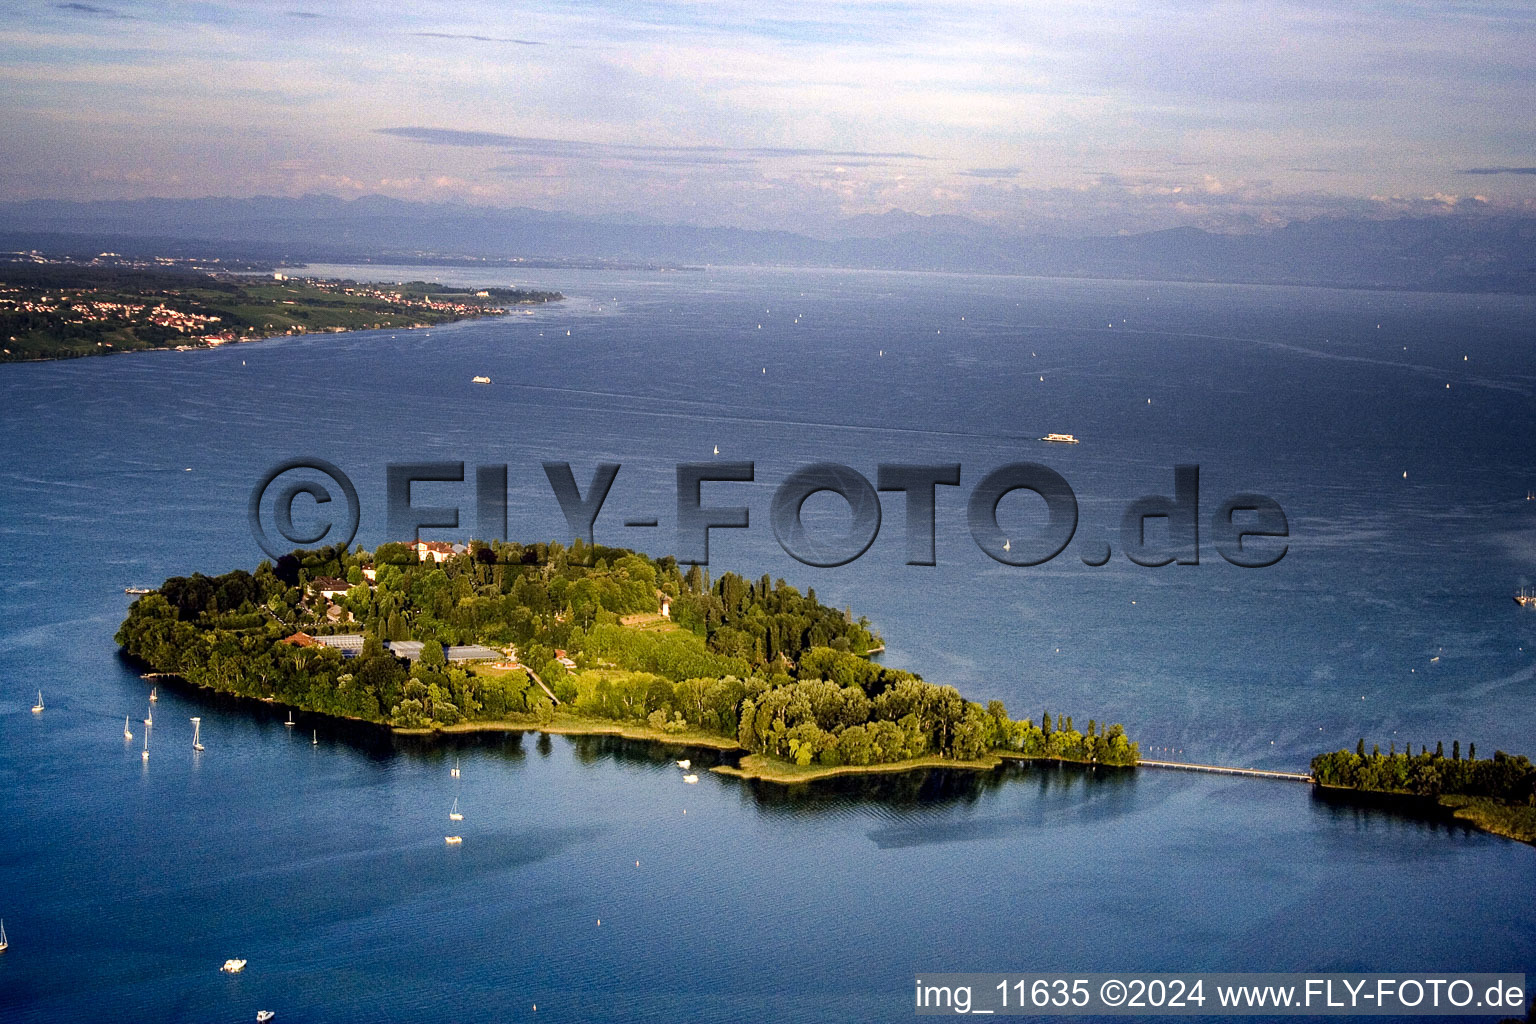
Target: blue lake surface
124,885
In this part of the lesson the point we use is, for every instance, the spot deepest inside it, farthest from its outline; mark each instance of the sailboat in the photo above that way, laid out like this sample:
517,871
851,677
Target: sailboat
4,943
455,772
146,745
314,739
37,708
717,449
290,722
1007,545
454,814
154,694
149,717
197,726
127,732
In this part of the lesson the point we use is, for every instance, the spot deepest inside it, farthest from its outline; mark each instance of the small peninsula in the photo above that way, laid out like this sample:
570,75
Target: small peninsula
429,636
61,311
1497,794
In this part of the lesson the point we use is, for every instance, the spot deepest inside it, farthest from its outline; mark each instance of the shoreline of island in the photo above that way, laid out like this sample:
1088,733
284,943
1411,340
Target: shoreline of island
750,767
1478,813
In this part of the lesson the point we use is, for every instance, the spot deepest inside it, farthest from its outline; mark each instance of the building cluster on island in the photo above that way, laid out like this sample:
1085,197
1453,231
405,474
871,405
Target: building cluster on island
331,590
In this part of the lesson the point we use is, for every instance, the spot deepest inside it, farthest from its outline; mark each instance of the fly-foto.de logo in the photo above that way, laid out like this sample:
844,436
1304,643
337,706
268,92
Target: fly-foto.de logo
1246,529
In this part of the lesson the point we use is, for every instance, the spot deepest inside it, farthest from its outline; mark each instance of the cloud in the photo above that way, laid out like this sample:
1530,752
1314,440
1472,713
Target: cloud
303,14
1499,170
993,172
478,39
573,149
91,9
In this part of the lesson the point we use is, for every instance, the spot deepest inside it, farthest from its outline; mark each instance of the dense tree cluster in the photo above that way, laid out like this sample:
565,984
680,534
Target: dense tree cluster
1502,777
757,662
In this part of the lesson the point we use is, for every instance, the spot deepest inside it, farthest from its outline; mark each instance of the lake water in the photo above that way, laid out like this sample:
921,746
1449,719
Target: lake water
123,886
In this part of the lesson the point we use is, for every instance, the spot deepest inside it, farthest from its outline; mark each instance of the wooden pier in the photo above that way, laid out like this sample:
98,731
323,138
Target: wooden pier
1257,773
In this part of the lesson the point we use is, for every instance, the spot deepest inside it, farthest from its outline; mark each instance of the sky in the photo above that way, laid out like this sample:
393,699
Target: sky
1057,116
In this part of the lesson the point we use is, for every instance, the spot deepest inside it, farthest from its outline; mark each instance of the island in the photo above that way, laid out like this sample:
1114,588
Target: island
58,311
429,637
1497,794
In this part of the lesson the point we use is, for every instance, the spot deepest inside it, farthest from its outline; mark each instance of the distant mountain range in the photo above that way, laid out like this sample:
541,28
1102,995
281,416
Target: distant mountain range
1445,253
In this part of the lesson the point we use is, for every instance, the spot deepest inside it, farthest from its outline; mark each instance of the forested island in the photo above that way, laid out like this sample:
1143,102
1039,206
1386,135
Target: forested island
498,635
58,311
1497,794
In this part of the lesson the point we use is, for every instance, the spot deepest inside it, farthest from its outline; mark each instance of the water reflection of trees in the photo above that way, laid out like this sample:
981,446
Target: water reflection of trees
1365,809
937,787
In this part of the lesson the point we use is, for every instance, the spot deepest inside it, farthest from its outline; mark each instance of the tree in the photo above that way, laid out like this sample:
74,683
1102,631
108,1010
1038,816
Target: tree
1360,747
432,655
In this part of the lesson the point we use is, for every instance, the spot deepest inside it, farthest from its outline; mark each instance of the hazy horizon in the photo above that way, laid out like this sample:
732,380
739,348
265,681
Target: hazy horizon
1057,118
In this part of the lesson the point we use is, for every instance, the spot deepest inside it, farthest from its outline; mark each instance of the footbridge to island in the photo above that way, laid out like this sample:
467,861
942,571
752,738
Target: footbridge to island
1256,773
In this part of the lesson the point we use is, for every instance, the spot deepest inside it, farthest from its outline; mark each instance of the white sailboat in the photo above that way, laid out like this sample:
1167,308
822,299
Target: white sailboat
4,942
314,739
127,732
454,814
37,708
146,745
197,726
455,772
149,716
154,694
290,722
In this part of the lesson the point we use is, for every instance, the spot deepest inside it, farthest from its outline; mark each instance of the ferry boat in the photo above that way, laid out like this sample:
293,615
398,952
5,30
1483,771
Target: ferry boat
453,840
479,380
233,966
1061,438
